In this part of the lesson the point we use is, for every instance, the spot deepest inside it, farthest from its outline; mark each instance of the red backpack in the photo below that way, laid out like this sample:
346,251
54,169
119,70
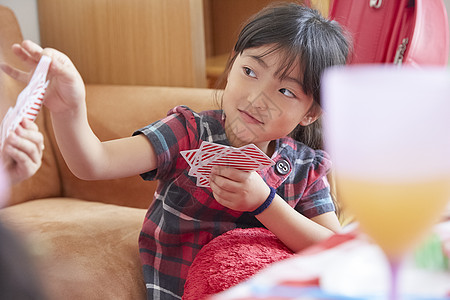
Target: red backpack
413,32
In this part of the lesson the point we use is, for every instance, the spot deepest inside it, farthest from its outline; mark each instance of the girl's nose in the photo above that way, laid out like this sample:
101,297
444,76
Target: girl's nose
258,99
261,101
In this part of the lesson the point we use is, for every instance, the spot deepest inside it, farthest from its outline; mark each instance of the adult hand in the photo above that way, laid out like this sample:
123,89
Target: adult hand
22,151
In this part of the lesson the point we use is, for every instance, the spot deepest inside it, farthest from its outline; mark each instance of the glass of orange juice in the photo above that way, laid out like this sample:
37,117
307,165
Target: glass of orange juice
387,130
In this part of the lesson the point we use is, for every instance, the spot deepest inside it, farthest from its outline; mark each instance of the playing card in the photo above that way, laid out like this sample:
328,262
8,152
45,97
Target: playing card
201,161
189,156
29,101
255,153
233,158
202,181
207,152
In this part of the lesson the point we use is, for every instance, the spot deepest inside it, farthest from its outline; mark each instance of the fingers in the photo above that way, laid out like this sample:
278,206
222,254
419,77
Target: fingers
31,53
22,151
30,132
18,164
230,173
229,186
15,73
224,197
220,188
28,124
228,179
25,143
28,51
60,62
238,190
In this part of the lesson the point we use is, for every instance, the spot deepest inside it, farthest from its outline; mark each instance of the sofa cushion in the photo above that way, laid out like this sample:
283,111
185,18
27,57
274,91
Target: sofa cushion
75,243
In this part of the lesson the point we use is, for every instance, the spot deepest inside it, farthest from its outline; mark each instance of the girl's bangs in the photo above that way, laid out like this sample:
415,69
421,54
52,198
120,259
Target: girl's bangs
290,58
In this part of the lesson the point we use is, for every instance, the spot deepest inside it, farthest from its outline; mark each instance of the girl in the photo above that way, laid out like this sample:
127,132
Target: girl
271,95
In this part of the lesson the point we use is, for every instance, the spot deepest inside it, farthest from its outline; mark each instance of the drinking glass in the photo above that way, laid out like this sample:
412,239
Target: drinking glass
387,130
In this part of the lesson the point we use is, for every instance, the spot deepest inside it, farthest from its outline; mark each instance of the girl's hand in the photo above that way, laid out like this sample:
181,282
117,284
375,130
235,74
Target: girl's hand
22,151
66,89
238,190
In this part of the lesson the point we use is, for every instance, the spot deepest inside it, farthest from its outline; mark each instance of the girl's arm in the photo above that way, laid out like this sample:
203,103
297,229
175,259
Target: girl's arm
295,230
246,191
90,159
87,157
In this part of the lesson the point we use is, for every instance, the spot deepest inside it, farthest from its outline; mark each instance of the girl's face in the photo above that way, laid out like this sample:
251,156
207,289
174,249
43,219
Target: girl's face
261,107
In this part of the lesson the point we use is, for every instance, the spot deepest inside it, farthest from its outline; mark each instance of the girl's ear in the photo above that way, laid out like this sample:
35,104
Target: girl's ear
312,115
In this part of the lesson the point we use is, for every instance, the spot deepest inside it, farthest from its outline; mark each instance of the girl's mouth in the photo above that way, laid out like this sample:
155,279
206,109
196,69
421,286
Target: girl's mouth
247,117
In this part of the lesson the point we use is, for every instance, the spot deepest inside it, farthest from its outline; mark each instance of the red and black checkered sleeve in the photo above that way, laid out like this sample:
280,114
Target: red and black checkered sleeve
176,132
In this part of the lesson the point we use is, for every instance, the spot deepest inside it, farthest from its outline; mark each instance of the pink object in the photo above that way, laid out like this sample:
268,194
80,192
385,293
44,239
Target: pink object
29,101
230,259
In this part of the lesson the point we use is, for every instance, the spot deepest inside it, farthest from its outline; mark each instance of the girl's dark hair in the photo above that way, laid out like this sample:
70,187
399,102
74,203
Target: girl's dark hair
304,38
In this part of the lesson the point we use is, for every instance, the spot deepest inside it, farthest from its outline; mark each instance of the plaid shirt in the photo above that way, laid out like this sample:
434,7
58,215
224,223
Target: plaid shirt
183,217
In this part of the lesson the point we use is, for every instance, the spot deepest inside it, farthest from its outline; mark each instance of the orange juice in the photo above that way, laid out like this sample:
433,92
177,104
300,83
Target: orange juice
395,214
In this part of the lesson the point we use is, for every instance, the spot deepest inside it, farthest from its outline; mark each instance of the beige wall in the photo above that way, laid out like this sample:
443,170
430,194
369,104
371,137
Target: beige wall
137,42
26,12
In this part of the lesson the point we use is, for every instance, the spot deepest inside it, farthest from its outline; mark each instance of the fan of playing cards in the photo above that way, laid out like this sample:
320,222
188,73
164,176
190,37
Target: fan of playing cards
29,101
246,158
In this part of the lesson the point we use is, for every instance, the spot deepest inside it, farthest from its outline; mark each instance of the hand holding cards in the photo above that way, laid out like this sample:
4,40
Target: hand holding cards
29,101
247,158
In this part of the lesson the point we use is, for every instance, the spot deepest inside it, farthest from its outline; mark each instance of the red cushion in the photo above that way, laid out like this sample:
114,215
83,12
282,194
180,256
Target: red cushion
230,259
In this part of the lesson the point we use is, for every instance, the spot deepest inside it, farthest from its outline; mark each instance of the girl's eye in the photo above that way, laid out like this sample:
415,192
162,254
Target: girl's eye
287,93
249,72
